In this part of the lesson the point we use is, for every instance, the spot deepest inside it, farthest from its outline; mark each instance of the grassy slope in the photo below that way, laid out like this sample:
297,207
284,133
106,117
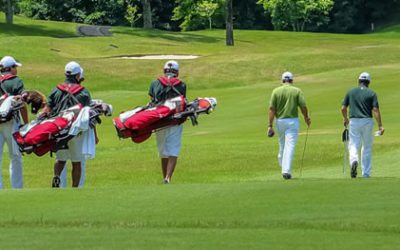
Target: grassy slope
205,206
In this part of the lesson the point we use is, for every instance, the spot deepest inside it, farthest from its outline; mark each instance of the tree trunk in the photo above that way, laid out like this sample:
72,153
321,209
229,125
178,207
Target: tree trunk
210,22
229,23
9,12
147,14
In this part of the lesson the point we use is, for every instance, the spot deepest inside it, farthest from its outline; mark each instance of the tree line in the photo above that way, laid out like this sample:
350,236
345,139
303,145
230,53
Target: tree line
344,16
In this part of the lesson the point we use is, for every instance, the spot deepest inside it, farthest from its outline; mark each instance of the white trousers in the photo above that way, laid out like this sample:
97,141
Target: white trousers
288,131
360,136
63,176
6,131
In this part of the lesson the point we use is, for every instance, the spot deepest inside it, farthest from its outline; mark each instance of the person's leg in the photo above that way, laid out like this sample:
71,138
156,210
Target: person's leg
366,149
172,160
280,126
1,156
58,167
76,173
63,177
83,174
291,135
160,139
172,149
75,148
354,145
16,177
164,166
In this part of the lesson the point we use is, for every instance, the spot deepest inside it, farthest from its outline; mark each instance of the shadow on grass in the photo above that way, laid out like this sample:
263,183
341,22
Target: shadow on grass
34,30
177,37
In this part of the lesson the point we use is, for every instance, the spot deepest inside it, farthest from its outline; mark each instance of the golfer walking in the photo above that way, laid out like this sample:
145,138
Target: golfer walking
362,102
284,104
169,139
11,84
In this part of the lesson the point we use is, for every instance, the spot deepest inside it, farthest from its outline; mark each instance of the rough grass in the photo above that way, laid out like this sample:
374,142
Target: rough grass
227,190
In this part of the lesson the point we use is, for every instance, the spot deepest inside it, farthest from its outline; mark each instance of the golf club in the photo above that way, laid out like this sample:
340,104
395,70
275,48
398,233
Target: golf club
345,140
304,150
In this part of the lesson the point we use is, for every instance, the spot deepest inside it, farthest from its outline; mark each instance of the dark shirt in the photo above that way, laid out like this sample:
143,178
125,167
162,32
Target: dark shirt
158,93
14,86
56,96
361,100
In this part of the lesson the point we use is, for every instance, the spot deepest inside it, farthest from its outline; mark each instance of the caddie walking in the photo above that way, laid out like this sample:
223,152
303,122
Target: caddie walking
169,139
56,103
363,102
284,104
11,84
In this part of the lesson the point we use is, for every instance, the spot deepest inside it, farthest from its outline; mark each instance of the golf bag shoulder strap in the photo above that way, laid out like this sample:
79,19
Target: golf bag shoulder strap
170,84
169,81
70,88
4,78
7,77
69,99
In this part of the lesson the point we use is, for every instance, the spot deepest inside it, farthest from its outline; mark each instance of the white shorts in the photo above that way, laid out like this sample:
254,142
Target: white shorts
74,151
169,141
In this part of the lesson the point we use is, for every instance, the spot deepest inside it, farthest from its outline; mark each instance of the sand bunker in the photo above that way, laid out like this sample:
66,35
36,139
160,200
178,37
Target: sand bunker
159,57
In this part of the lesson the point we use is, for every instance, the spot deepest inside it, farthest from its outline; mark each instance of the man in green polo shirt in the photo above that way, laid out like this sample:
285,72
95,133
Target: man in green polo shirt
284,104
11,84
56,104
362,102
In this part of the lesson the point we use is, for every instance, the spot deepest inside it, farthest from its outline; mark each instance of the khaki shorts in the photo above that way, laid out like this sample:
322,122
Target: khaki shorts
74,151
169,141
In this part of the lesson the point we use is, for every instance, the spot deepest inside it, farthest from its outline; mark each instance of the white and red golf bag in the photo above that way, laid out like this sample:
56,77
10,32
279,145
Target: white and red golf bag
139,123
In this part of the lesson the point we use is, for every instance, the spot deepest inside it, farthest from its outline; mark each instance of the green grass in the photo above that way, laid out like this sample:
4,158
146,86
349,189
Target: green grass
227,191
281,215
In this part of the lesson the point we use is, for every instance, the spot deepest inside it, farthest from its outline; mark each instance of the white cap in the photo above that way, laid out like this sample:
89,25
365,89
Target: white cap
9,61
365,76
73,68
172,65
287,76
82,75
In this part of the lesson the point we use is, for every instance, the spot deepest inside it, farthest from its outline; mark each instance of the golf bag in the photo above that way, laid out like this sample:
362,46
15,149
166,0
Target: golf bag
9,107
50,134
139,123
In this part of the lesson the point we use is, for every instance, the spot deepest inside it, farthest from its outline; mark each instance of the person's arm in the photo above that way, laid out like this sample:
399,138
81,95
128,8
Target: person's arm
271,117
46,110
18,89
307,118
345,115
95,135
303,108
378,119
24,114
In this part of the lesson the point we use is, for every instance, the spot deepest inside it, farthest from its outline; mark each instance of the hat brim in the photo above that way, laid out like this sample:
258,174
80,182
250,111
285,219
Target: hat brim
18,64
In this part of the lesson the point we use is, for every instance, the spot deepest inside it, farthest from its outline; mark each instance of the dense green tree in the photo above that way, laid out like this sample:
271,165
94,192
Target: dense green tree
250,15
207,9
132,15
352,16
295,14
187,12
356,16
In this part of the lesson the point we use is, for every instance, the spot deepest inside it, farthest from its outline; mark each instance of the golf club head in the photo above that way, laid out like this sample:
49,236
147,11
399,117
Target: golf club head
345,135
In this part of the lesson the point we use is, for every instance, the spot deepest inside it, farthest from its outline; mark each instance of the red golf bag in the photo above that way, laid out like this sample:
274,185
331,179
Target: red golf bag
45,134
140,123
